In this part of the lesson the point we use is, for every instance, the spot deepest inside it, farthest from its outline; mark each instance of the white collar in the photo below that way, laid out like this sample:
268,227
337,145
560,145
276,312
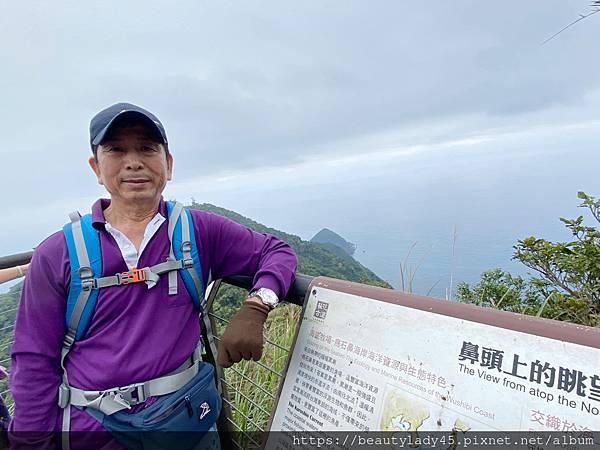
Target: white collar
130,254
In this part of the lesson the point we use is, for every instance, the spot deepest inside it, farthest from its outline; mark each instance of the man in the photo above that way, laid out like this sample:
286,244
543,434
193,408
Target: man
136,333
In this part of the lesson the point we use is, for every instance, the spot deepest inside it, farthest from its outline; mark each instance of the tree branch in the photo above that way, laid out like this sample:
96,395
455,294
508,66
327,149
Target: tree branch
595,4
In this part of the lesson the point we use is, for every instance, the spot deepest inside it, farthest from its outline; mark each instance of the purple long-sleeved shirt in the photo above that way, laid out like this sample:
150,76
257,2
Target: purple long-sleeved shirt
136,333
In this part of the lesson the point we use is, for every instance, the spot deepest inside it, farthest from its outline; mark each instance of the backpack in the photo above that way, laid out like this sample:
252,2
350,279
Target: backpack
83,243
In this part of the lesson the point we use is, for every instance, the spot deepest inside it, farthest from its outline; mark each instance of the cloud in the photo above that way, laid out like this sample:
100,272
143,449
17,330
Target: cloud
273,84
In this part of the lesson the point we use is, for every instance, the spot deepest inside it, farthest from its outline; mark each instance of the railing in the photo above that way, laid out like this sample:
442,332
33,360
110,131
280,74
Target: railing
15,260
248,388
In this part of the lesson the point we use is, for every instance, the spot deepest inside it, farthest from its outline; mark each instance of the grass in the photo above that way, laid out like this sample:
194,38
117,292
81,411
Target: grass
252,386
408,272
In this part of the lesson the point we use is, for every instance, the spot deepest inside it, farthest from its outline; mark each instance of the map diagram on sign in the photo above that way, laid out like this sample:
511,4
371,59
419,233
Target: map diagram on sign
403,412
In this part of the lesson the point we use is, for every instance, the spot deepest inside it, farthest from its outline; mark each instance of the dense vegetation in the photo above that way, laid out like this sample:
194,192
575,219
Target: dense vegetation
313,258
8,309
566,284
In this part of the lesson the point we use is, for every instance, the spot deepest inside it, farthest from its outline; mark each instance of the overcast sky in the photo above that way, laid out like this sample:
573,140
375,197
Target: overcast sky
260,98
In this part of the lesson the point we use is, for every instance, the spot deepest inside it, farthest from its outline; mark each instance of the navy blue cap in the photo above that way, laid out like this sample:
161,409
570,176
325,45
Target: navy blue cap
101,122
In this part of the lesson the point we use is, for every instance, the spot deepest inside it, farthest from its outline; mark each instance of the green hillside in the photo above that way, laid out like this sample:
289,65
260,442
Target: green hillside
326,236
8,310
313,258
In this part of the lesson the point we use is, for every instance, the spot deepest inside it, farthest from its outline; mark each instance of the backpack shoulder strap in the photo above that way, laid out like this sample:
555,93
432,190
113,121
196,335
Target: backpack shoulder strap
184,247
83,244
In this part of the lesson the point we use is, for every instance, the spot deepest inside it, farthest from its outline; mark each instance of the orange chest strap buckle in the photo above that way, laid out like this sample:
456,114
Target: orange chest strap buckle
134,276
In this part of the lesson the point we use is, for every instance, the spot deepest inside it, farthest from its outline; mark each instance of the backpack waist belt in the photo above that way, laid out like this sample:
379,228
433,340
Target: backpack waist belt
110,401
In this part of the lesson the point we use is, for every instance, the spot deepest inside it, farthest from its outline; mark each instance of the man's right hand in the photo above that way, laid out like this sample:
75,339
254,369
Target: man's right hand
243,337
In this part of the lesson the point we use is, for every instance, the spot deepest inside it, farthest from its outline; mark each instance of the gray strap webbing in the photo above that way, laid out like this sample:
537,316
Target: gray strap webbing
166,266
107,281
152,274
172,283
151,277
205,296
186,247
112,400
78,238
78,310
206,320
172,222
85,271
211,339
63,400
74,216
66,428
175,213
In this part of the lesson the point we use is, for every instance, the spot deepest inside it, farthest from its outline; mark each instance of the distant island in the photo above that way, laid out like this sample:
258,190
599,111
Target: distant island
326,236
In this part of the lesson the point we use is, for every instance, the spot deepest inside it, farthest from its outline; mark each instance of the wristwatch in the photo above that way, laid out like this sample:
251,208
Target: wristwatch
266,295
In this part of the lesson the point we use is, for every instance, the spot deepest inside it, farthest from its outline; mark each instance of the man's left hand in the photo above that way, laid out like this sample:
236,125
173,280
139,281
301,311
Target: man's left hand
243,337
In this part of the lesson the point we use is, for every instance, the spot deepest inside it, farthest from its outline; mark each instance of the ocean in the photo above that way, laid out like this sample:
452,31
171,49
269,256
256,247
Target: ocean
444,217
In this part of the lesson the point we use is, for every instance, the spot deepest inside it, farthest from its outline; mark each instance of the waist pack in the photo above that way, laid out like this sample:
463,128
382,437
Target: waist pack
181,420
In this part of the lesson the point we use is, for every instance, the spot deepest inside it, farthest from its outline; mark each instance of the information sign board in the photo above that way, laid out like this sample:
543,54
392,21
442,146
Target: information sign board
368,359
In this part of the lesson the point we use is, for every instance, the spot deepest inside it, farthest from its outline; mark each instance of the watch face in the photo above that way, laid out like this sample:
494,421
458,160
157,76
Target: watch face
267,296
